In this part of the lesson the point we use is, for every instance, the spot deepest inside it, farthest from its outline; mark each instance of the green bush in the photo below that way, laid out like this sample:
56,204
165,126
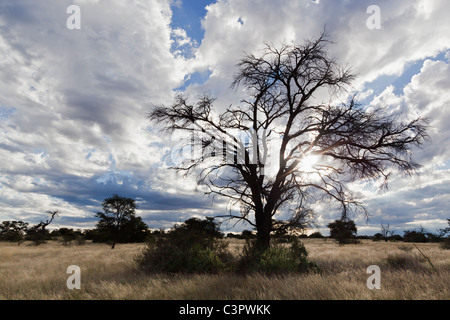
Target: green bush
279,259
193,247
196,247
163,256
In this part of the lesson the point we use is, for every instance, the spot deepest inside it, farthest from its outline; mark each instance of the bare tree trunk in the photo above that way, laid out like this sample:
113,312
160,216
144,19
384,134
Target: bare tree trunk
116,237
263,228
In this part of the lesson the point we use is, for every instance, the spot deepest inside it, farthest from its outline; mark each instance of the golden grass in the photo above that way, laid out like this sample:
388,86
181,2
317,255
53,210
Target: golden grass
29,272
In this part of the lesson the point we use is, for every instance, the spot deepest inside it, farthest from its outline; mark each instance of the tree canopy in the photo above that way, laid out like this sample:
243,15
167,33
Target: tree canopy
118,221
321,144
344,230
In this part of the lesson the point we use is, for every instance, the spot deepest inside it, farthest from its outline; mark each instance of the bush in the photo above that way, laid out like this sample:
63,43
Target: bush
196,247
395,237
279,259
161,255
13,230
405,261
316,235
445,244
193,247
67,235
414,236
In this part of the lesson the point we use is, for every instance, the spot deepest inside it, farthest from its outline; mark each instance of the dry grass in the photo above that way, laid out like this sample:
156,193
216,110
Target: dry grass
28,272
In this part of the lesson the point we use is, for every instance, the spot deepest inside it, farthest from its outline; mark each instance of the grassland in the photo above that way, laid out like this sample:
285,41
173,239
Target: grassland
30,272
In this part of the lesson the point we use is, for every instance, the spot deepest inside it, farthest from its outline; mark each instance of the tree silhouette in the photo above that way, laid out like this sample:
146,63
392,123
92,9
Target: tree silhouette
344,231
67,235
386,233
13,230
39,231
118,220
320,145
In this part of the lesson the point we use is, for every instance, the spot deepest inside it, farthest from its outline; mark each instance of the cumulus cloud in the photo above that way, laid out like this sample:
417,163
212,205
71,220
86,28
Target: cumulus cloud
73,103
422,199
407,36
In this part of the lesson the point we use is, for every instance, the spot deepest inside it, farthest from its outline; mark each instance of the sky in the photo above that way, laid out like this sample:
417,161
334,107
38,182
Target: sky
74,101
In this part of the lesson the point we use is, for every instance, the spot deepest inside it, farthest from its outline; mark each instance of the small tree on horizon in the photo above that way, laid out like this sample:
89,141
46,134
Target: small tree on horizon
344,231
38,232
386,232
13,230
118,213
67,235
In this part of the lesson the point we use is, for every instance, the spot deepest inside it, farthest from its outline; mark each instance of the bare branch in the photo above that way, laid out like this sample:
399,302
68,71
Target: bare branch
350,142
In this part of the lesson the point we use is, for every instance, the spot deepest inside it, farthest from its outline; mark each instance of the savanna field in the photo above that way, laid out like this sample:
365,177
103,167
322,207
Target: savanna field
39,272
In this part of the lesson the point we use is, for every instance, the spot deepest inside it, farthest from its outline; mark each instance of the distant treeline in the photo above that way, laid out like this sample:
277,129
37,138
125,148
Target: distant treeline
118,223
18,231
136,231
409,236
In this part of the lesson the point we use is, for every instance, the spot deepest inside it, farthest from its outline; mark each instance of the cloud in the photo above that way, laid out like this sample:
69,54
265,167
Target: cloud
422,199
73,103
407,35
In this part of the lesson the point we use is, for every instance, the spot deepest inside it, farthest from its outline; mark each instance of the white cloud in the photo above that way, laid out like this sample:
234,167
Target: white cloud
78,98
408,35
423,199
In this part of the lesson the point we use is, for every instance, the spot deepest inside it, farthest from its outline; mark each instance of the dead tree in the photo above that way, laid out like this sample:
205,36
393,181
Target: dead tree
320,145
37,232
386,233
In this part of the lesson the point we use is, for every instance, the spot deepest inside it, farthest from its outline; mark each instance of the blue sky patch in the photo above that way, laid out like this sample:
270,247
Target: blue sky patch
6,112
398,82
188,16
198,77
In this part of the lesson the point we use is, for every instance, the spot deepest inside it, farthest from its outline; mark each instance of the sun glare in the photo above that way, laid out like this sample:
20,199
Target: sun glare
308,162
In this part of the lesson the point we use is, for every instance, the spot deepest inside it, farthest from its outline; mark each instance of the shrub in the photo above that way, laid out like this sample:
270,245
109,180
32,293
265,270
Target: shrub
247,234
445,244
13,230
405,261
395,237
414,236
316,235
193,247
67,235
406,248
279,259
161,255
